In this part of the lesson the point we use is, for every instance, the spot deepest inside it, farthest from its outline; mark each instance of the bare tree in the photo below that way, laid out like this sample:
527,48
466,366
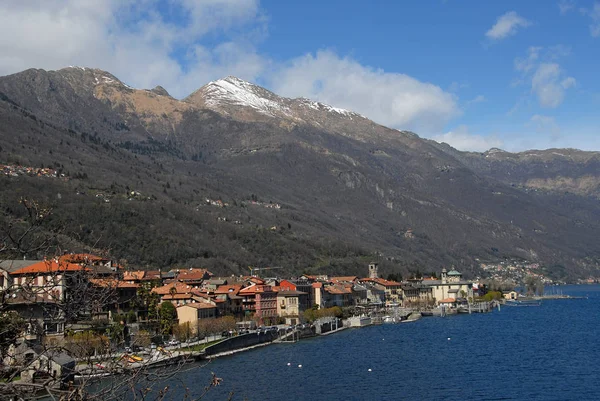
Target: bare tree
56,339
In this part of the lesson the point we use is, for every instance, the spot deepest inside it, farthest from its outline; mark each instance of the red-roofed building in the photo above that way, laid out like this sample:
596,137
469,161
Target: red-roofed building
64,280
393,289
260,300
231,301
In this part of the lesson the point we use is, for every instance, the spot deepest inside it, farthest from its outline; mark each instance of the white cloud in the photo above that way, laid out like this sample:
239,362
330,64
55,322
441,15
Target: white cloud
595,25
507,25
197,41
548,80
392,99
131,39
545,125
462,139
549,86
475,100
565,6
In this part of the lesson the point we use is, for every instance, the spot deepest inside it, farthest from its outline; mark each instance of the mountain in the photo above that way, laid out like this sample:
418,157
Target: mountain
304,185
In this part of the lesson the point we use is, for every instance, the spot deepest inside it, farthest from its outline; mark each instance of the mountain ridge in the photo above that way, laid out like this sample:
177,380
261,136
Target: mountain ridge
348,189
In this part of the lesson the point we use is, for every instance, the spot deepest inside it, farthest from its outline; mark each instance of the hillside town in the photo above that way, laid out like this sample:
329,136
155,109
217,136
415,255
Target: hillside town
64,299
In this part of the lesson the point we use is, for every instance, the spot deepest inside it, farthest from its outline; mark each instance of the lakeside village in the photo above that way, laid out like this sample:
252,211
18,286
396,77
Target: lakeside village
75,310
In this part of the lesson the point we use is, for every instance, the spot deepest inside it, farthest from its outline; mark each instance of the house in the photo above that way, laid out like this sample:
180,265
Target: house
375,294
392,289
448,303
451,285
337,295
148,278
192,276
291,304
9,266
56,291
344,279
416,295
261,300
510,294
38,364
113,295
193,312
232,301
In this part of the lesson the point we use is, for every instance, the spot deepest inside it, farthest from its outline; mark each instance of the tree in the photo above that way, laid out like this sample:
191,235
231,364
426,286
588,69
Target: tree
183,331
11,327
167,317
70,292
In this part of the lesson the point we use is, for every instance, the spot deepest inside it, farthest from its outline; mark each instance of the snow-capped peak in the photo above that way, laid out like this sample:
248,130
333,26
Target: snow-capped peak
325,107
234,91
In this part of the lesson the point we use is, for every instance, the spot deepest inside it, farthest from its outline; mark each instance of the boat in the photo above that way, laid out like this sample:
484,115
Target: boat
412,317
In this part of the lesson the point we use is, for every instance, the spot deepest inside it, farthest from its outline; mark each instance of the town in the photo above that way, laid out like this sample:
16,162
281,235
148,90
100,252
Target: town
89,305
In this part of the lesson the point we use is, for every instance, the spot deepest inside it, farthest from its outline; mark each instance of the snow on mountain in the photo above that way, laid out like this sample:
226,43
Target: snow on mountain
231,91
234,91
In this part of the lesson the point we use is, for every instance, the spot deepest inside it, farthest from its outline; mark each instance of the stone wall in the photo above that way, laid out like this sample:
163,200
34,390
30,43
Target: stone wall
241,341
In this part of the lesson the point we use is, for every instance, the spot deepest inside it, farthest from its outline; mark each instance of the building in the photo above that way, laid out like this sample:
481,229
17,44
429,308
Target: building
195,312
260,300
392,289
451,286
291,304
373,270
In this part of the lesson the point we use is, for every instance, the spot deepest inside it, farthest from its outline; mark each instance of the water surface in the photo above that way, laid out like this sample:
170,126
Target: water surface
518,353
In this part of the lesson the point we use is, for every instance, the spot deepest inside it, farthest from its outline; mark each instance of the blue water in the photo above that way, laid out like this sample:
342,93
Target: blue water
549,352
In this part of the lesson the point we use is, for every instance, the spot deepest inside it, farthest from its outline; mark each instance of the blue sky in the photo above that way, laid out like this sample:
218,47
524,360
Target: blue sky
475,74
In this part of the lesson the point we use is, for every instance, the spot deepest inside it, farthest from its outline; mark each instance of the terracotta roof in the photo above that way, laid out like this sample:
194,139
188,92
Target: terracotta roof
169,297
381,281
228,289
141,275
180,288
198,305
253,289
49,266
448,300
344,278
338,289
112,283
193,274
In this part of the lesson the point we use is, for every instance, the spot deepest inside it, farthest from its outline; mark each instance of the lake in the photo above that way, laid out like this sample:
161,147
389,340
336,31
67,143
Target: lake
518,353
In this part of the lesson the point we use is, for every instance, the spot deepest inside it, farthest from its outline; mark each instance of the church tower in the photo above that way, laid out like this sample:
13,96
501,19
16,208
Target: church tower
373,273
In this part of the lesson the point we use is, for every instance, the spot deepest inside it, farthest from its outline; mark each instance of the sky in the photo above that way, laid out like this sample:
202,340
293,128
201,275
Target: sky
515,75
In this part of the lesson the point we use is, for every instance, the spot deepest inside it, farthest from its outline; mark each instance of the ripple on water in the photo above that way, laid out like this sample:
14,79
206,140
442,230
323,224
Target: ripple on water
536,353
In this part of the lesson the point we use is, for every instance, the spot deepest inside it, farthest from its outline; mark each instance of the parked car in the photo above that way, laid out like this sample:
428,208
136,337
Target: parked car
173,343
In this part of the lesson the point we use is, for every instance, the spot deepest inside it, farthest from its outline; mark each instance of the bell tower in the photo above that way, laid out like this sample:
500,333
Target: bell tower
373,270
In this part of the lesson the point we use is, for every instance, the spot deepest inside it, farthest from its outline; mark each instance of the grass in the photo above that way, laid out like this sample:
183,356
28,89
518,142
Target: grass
198,347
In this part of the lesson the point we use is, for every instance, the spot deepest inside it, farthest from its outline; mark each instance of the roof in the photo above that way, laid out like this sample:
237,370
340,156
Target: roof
49,266
338,289
169,297
111,282
448,300
198,305
228,289
344,278
193,274
179,288
454,273
290,293
12,265
381,281
453,290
